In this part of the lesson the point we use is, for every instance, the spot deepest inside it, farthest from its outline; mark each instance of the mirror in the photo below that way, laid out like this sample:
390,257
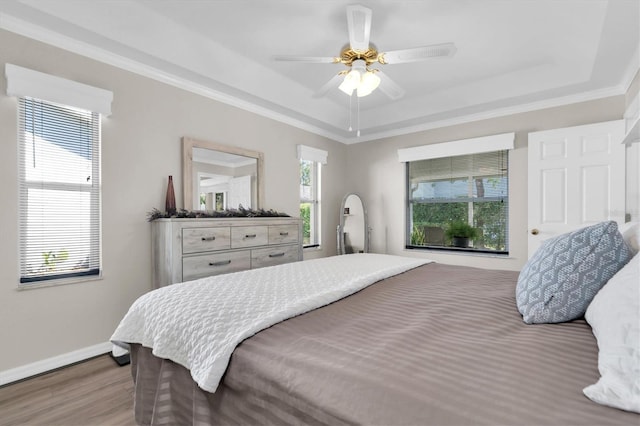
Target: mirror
353,231
219,177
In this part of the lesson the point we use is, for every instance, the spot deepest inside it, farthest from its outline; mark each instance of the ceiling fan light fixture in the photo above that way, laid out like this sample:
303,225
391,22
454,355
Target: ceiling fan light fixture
351,82
346,89
368,83
359,55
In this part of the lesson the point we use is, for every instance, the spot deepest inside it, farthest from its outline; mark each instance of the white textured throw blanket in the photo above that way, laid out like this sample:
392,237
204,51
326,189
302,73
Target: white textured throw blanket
198,324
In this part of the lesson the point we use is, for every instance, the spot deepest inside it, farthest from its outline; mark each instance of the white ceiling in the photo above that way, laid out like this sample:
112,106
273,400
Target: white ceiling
512,55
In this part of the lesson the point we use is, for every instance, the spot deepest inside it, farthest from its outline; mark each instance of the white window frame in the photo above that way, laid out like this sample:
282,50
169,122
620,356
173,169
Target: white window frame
470,200
92,189
484,144
28,85
317,157
314,200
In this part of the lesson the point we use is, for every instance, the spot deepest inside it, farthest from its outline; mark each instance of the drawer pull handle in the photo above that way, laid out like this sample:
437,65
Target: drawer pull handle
284,234
222,263
208,238
250,236
276,254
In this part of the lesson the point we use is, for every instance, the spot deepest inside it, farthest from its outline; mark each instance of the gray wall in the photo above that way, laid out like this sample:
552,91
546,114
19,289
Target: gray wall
379,178
140,147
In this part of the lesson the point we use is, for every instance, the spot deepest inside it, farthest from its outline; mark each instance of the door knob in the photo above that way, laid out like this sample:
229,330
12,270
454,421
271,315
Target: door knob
535,231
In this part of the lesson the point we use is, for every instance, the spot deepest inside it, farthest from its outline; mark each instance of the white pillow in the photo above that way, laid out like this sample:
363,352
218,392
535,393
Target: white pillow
614,315
631,235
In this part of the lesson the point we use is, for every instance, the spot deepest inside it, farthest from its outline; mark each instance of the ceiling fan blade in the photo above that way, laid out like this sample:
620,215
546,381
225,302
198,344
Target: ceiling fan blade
417,53
334,82
359,23
311,59
389,87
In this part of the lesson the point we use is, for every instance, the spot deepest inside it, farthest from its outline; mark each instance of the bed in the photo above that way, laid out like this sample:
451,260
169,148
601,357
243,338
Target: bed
433,345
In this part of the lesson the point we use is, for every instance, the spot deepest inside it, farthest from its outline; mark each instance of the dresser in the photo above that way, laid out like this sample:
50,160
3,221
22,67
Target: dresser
187,249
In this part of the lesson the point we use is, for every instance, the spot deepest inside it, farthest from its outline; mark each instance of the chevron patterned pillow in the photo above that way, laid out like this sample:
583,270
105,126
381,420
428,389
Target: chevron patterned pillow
562,277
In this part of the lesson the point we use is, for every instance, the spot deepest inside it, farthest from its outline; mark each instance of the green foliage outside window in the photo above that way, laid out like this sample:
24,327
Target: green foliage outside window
309,202
305,173
52,258
305,215
488,217
470,190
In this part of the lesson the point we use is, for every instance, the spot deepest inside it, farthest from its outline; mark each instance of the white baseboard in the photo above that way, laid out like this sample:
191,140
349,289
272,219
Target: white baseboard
39,367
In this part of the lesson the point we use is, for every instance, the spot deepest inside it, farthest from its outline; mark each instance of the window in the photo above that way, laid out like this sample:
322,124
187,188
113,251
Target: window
59,174
59,191
311,161
445,193
310,202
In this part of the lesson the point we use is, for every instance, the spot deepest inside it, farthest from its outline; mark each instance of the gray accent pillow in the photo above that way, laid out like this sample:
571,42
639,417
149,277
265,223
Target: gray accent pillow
562,277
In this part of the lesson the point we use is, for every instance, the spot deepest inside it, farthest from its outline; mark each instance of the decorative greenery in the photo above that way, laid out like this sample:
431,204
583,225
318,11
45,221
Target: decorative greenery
461,230
417,236
51,258
239,212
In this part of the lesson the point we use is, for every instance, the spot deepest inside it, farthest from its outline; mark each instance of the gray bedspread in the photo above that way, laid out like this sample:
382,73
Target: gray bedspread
437,345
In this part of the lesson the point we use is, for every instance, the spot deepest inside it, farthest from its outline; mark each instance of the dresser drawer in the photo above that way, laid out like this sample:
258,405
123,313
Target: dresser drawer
274,256
196,240
206,265
283,234
186,249
249,236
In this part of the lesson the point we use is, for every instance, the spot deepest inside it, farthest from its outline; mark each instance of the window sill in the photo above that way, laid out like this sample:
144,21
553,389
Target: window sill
459,251
315,247
58,282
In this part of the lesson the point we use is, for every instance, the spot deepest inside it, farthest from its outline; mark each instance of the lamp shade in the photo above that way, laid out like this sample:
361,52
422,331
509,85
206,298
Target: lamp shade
351,82
360,79
368,83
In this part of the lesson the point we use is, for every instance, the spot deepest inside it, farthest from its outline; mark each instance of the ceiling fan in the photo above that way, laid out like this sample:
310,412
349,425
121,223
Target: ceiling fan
360,55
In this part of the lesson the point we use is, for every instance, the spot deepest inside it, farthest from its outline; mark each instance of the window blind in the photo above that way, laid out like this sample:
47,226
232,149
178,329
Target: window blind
473,189
450,169
59,152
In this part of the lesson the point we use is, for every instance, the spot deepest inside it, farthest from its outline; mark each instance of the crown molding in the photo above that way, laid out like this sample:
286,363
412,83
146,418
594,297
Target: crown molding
631,71
495,113
36,32
58,40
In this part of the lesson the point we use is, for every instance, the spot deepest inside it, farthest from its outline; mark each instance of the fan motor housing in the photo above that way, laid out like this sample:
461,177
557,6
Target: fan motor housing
348,55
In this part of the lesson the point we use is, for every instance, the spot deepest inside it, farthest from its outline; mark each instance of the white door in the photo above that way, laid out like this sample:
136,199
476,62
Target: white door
576,179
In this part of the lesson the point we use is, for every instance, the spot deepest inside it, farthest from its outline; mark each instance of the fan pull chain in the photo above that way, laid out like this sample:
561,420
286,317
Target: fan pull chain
358,118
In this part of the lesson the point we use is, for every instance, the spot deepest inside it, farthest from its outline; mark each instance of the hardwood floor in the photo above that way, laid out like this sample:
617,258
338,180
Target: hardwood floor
95,392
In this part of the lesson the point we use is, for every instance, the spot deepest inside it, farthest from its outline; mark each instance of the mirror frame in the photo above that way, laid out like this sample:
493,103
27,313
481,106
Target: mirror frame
187,167
340,231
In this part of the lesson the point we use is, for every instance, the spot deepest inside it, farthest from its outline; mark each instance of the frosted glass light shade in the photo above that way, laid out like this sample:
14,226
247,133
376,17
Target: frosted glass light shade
368,83
351,82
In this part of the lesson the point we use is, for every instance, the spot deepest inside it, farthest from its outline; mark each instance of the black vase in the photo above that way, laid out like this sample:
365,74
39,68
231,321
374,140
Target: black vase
170,202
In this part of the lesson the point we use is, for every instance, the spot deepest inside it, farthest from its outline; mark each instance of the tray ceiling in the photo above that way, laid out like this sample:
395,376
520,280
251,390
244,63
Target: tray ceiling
512,56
